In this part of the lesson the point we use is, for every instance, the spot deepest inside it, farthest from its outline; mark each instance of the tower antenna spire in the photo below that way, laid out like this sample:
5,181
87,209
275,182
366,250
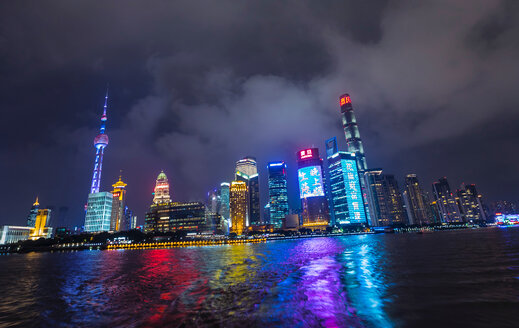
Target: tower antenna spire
100,142
106,104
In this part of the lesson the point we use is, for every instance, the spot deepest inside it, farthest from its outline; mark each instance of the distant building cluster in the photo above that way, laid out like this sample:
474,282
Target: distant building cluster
338,192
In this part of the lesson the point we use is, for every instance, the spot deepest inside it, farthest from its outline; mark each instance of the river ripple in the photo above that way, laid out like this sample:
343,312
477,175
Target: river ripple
466,278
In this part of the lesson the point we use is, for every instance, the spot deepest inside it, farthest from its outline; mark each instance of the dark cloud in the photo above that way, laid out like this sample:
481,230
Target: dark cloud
194,86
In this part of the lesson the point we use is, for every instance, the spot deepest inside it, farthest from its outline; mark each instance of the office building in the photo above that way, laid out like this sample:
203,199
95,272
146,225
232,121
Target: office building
224,210
41,229
470,204
99,212
174,216
278,194
213,200
354,145
238,204
31,218
386,203
347,204
314,203
417,204
118,219
213,222
247,171
445,201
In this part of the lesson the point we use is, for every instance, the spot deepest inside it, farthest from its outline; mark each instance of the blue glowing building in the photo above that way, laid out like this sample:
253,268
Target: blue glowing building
278,195
347,203
99,212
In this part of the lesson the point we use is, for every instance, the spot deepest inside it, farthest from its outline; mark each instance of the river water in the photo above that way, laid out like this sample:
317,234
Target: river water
465,278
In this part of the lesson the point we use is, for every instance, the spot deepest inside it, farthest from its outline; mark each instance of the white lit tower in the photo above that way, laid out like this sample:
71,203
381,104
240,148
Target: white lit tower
354,143
100,142
161,191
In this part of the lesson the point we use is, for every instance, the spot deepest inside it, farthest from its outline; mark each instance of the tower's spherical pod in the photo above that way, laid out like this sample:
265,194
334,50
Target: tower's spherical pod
101,140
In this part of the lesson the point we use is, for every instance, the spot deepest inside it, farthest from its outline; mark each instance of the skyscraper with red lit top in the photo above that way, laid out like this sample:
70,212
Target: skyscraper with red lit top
354,145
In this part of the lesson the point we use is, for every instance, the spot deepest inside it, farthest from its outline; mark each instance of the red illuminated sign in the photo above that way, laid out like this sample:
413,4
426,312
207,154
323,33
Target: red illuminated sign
305,154
345,100
116,194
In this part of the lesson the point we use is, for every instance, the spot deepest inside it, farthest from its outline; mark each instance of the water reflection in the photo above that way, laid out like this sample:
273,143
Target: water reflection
353,281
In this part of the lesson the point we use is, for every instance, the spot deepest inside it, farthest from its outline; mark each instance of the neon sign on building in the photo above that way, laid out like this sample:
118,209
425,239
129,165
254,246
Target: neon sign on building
345,100
357,213
310,182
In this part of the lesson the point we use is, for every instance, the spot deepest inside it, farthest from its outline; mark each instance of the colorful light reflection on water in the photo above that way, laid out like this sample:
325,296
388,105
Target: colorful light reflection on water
353,281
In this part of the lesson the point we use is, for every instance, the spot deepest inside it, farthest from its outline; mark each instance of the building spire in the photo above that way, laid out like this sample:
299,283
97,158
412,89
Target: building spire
106,105
100,142
36,202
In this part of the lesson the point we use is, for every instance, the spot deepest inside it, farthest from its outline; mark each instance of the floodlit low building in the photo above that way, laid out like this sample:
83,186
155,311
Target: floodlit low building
14,234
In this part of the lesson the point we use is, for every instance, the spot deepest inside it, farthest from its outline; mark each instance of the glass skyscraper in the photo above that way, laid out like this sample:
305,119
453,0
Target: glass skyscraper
247,171
99,212
316,214
224,200
446,202
354,144
31,218
118,221
238,201
278,195
386,203
346,193
417,204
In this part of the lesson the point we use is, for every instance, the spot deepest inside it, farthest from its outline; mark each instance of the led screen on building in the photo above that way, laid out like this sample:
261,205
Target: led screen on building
357,213
310,181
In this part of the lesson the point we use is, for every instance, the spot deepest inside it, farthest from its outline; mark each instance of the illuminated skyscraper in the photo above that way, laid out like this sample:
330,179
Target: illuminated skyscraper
470,204
354,145
118,219
346,194
224,201
247,171
213,201
161,191
100,142
41,229
446,202
99,212
386,203
417,204
278,195
31,218
316,214
238,201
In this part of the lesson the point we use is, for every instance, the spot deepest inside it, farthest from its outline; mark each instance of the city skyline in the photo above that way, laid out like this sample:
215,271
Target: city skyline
249,163
174,107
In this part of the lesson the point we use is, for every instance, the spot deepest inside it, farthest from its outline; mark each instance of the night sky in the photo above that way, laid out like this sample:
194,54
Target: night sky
196,85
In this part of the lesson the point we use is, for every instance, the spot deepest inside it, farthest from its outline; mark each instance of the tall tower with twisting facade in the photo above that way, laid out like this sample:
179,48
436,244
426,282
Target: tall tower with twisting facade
100,142
351,132
354,143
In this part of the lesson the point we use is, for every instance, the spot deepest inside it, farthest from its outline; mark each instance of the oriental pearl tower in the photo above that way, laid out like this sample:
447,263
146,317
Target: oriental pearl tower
100,142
